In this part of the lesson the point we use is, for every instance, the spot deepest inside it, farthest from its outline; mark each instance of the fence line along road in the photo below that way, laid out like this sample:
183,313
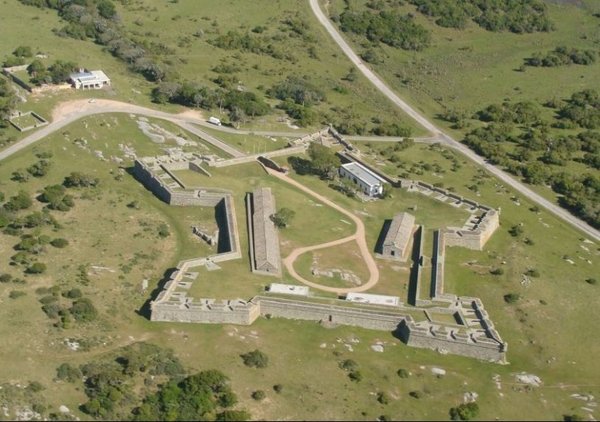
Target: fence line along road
443,137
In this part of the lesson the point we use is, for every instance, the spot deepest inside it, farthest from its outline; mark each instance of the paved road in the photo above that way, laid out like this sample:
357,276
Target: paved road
358,237
444,138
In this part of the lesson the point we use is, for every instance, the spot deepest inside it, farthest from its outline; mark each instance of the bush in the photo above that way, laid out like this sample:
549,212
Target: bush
403,373
233,415
36,268
59,242
5,278
278,388
259,395
14,294
497,271
355,376
35,387
83,310
464,412
163,230
73,294
591,281
512,297
255,359
68,372
383,398
532,272
415,394
283,217
349,365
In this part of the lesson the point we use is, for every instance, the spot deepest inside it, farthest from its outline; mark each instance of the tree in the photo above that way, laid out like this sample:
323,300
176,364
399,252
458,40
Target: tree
283,217
255,359
464,411
324,162
61,70
83,310
77,179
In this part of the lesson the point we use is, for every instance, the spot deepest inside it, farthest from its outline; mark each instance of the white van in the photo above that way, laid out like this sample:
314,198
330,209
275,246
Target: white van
214,121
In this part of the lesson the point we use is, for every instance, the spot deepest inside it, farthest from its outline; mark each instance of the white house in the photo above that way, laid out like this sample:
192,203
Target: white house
369,183
94,79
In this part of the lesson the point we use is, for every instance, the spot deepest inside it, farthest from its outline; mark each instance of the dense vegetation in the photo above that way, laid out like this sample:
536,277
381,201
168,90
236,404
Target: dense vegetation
8,101
519,138
146,382
388,27
561,56
517,16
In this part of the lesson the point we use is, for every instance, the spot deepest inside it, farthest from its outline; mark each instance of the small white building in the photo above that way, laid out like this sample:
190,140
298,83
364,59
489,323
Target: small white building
369,183
372,299
94,79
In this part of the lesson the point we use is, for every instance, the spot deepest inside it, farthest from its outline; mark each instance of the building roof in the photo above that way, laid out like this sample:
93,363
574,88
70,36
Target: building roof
400,230
92,76
266,242
363,173
373,299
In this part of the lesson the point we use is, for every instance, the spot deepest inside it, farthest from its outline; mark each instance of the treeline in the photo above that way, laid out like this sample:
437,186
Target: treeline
518,138
388,27
562,56
518,16
240,105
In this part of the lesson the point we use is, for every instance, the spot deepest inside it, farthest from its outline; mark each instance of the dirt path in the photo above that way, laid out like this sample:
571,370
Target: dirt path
359,237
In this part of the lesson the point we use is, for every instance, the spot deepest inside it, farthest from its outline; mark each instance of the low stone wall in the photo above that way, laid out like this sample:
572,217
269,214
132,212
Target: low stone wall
207,311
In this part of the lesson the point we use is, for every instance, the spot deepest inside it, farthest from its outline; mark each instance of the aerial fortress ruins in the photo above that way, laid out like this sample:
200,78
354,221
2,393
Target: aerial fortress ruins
433,319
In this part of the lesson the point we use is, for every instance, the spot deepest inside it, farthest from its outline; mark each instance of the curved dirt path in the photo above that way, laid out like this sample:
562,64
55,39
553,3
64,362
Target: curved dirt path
359,237
443,137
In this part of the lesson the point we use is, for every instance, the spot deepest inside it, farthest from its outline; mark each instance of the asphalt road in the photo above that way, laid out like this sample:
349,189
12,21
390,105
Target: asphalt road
444,138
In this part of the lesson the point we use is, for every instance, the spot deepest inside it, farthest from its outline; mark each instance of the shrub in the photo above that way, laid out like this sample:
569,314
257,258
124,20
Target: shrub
14,294
68,372
83,310
532,272
5,278
349,365
255,359
355,376
59,242
591,281
233,415
259,395
278,388
403,373
464,412
512,297
48,299
163,230
36,268
415,394
383,398
497,271
35,387
73,293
